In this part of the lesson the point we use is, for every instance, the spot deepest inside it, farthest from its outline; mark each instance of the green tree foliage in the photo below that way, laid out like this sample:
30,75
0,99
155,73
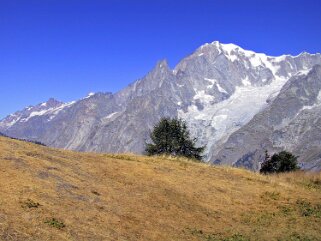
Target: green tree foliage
172,137
283,161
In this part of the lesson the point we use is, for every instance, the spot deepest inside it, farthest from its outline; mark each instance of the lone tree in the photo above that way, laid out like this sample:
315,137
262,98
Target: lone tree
172,137
283,161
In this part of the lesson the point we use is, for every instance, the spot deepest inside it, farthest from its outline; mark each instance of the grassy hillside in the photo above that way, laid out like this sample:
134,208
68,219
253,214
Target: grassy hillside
50,194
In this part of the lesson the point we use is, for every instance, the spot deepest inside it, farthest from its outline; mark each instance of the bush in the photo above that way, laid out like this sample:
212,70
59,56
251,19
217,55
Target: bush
55,223
171,136
283,161
30,204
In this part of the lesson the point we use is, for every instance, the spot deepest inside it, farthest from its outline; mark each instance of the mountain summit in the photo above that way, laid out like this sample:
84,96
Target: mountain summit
235,101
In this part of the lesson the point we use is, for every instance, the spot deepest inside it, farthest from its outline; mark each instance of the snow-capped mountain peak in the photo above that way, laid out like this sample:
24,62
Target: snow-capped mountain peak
217,90
49,108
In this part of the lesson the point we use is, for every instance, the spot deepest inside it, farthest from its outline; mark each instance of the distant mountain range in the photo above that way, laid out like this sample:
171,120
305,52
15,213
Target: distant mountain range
237,102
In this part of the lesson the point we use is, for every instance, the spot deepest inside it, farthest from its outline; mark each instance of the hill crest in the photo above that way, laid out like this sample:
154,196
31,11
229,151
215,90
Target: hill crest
130,197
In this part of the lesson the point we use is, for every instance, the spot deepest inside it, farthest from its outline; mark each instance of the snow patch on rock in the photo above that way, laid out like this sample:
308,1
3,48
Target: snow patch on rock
51,112
89,95
246,81
215,82
203,97
229,115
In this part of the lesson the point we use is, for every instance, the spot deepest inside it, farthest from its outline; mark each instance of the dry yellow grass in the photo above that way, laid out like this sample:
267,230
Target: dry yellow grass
128,197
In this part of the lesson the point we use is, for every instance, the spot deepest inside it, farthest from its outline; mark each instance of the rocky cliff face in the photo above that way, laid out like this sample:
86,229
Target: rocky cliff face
220,90
292,121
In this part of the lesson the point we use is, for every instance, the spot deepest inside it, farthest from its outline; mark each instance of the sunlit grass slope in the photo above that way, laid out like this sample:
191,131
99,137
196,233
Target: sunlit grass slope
50,194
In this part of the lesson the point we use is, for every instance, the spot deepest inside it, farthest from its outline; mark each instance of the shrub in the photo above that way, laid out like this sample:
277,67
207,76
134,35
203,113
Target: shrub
283,161
55,223
30,204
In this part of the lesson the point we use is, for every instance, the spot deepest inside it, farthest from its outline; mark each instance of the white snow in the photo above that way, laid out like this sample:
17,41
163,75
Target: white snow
319,97
259,59
232,57
234,52
60,108
229,115
316,104
304,72
268,63
308,107
215,82
220,89
110,115
255,60
203,97
212,81
246,81
230,51
89,95
229,47
216,43
281,58
11,123
37,113
201,54
44,104
51,112
204,45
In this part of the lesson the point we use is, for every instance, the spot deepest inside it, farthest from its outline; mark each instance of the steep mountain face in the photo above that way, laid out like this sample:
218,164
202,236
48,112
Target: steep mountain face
220,90
292,121
26,114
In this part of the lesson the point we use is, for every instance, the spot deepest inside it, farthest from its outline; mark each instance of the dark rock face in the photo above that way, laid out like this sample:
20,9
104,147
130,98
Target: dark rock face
235,101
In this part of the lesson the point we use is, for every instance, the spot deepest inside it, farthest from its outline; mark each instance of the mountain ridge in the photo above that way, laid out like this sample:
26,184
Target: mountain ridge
218,89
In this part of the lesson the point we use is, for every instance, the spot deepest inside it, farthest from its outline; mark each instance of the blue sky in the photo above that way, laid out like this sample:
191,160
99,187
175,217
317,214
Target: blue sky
67,48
